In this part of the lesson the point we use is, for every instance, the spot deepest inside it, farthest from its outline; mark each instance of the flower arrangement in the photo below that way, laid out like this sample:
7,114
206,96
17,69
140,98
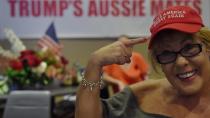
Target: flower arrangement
35,68
28,68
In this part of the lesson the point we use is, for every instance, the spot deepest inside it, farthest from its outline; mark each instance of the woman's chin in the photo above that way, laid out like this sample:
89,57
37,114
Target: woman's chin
191,87
190,90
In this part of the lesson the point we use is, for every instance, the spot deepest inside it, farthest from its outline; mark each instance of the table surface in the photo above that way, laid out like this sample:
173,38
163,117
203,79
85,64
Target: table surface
56,91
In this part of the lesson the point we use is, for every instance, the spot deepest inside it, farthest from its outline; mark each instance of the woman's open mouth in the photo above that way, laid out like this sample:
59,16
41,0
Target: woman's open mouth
187,75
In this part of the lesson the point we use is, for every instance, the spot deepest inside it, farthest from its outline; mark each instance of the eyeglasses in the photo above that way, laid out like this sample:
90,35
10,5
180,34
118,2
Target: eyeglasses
188,50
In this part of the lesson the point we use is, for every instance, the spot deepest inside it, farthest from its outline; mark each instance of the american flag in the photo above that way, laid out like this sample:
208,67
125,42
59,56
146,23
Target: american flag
50,40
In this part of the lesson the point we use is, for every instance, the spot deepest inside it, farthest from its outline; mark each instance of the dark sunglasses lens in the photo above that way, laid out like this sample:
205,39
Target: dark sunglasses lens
191,50
166,57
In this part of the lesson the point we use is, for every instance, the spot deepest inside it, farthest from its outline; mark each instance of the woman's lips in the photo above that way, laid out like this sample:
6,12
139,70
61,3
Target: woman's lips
187,75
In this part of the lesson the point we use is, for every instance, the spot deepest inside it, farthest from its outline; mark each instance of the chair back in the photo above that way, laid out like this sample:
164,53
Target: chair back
28,104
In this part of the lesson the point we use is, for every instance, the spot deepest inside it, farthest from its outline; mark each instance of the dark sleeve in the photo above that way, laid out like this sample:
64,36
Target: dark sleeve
121,105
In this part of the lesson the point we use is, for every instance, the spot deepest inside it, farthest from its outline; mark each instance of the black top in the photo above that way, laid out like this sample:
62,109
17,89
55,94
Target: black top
125,105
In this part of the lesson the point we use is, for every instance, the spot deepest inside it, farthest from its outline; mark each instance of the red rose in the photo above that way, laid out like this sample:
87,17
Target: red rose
32,60
16,65
26,52
64,61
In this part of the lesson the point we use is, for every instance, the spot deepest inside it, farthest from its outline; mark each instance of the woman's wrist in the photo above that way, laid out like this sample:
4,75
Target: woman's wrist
92,84
93,69
96,60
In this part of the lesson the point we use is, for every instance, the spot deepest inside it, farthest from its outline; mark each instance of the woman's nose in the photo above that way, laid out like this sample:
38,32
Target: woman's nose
181,61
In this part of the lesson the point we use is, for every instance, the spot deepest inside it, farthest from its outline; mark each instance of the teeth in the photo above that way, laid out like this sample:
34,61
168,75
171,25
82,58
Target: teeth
186,75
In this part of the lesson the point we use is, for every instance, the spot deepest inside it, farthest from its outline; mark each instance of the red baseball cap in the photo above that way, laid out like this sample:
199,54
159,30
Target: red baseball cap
181,18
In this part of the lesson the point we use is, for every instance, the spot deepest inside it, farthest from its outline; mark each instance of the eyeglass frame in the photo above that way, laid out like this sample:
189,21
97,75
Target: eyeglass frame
180,52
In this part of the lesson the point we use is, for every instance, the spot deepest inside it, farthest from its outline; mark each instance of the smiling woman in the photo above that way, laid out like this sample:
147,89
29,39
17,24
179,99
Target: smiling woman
180,46
182,58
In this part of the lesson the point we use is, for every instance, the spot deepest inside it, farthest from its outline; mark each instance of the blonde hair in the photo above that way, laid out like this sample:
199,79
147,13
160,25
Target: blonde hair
203,34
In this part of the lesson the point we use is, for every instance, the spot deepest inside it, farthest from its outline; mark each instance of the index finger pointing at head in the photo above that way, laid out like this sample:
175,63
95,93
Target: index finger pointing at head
133,42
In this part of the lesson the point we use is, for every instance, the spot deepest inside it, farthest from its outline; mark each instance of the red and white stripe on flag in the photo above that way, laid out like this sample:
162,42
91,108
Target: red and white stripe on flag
47,42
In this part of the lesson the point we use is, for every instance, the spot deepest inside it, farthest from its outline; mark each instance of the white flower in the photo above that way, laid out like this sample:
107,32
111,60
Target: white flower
7,53
44,49
41,68
17,44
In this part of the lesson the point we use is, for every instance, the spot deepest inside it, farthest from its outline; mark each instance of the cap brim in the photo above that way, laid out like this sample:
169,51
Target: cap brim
188,28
